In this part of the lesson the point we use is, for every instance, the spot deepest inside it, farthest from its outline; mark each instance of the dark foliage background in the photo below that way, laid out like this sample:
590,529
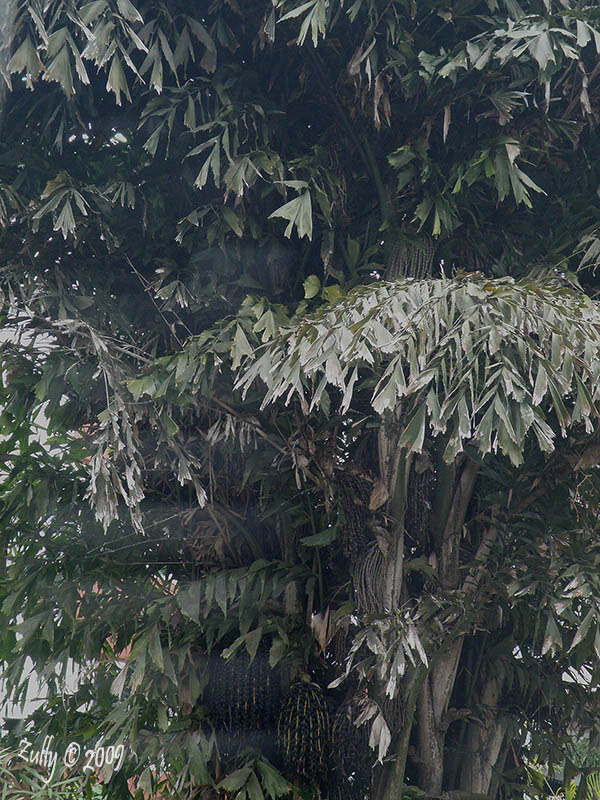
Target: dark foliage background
300,385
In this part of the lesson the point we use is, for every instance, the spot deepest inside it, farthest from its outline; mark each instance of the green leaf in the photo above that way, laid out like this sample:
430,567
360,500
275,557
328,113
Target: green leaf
583,629
189,118
333,293
502,179
405,177
189,601
151,143
295,12
65,222
129,11
274,784
169,425
241,347
252,642
399,158
541,386
321,539
253,788
208,61
552,637
118,684
197,761
140,386
484,430
481,61
541,49
140,650
233,221
312,285
59,70
26,58
116,80
166,50
414,432
212,163
583,33
222,596
299,214
155,649
279,649
235,780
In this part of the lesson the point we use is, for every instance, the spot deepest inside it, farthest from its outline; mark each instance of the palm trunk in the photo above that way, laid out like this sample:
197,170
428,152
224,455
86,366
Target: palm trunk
391,779
484,740
433,688
431,743
427,699
432,707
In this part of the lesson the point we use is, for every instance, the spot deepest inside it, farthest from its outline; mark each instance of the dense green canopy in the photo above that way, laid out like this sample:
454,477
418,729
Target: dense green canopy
300,393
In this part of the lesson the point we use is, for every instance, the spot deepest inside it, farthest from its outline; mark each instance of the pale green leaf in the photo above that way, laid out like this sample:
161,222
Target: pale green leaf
583,629
414,432
117,82
312,285
299,214
129,11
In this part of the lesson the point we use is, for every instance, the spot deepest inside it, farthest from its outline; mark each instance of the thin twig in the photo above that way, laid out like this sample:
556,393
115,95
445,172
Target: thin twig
146,287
